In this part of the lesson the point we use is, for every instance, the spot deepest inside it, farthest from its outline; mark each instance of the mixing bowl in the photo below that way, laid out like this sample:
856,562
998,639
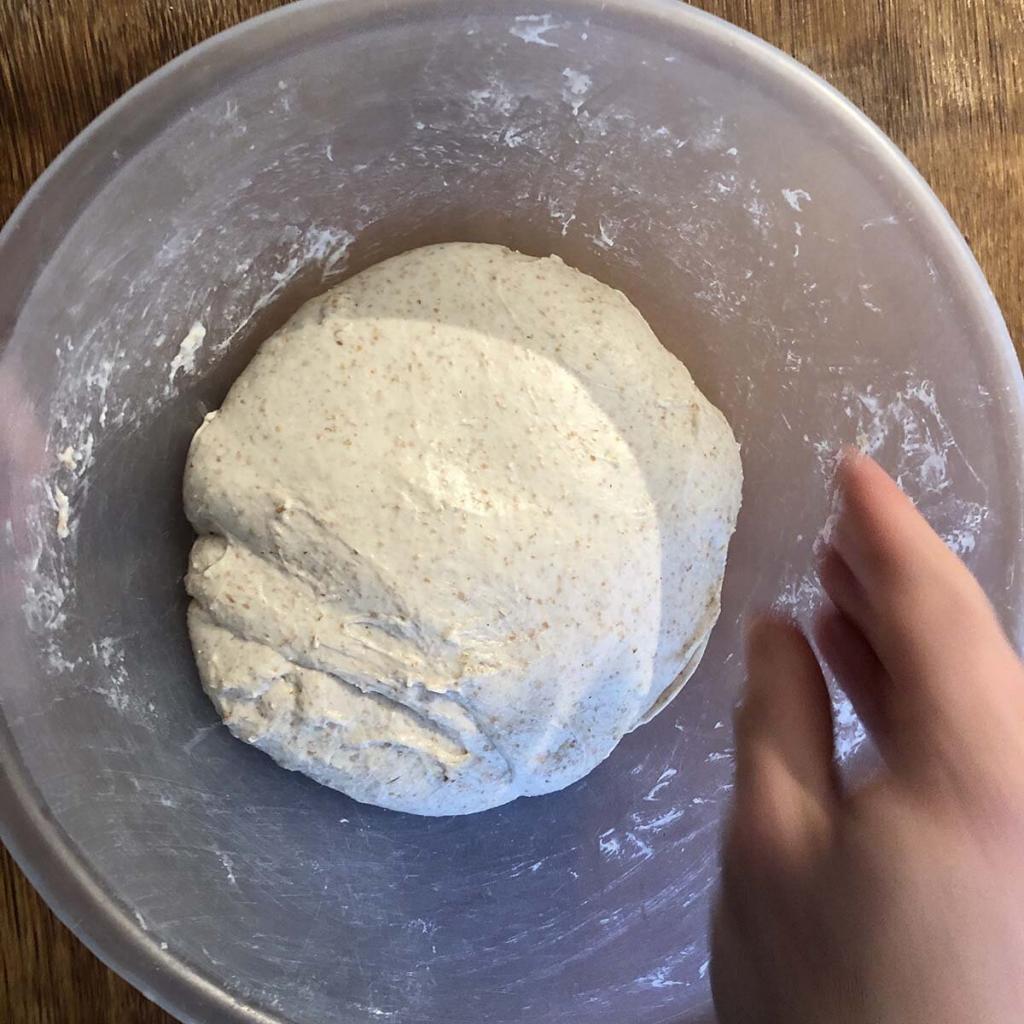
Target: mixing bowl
776,242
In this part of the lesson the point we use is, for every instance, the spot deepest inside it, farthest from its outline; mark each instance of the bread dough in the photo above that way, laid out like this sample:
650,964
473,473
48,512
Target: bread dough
462,525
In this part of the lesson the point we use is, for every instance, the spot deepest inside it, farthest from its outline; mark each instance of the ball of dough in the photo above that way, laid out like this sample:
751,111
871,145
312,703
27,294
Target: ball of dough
462,526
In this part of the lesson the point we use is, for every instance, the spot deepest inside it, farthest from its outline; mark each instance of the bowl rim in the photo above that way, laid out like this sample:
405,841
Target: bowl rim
44,852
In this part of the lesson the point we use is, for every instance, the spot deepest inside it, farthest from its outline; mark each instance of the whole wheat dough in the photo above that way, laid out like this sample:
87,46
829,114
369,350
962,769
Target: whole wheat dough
463,524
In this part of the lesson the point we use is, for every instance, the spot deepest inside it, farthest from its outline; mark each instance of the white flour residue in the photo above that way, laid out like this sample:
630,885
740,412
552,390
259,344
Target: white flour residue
669,141
285,99
532,28
608,843
72,462
497,97
796,197
326,247
185,360
89,403
659,978
63,507
727,183
662,975
422,925
520,116
68,458
759,212
562,212
722,302
890,221
629,845
850,734
709,135
908,433
639,847
229,868
963,538
663,780
46,594
577,86
799,595
660,822
513,137
230,118
526,866
114,683
323,247
865,298
96,378
608,231
904,429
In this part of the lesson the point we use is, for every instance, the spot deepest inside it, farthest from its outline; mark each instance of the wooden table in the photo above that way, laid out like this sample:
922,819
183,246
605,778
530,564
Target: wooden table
944,78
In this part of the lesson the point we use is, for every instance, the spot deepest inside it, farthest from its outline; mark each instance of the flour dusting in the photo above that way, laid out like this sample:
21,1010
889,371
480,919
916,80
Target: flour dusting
796,197
63,512
906,430
662,976
114,682
68,458
663,780
577,86
185,360
533,29
92,402
607,231
658,823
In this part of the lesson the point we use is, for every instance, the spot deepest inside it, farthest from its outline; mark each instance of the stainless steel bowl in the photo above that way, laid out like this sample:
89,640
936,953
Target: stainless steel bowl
775,240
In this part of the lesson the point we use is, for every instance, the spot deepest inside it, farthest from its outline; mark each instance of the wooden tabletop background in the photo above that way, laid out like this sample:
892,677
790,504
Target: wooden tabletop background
944,78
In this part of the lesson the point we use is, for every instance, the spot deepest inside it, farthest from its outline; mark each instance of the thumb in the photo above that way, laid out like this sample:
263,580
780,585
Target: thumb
786,776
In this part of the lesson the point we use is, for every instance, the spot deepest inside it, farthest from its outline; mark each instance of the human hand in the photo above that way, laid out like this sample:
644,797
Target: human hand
901,901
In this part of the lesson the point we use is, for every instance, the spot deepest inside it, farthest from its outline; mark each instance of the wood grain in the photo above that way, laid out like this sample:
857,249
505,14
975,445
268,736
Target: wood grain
944,78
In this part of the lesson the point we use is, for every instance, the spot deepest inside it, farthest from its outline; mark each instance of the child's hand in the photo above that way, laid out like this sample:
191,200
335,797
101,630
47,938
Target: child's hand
903,901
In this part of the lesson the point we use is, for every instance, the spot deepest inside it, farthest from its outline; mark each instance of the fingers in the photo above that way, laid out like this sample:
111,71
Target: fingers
914,599
737,960
844,589
936,676
861,676
786,781
879,531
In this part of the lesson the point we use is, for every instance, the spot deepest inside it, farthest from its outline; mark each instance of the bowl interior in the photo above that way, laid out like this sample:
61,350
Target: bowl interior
776,244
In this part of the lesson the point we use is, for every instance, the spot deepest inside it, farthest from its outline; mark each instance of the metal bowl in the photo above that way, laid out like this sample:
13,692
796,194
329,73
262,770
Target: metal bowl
775,240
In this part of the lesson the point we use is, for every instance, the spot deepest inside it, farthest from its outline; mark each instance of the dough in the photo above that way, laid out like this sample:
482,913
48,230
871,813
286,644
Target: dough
462,525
